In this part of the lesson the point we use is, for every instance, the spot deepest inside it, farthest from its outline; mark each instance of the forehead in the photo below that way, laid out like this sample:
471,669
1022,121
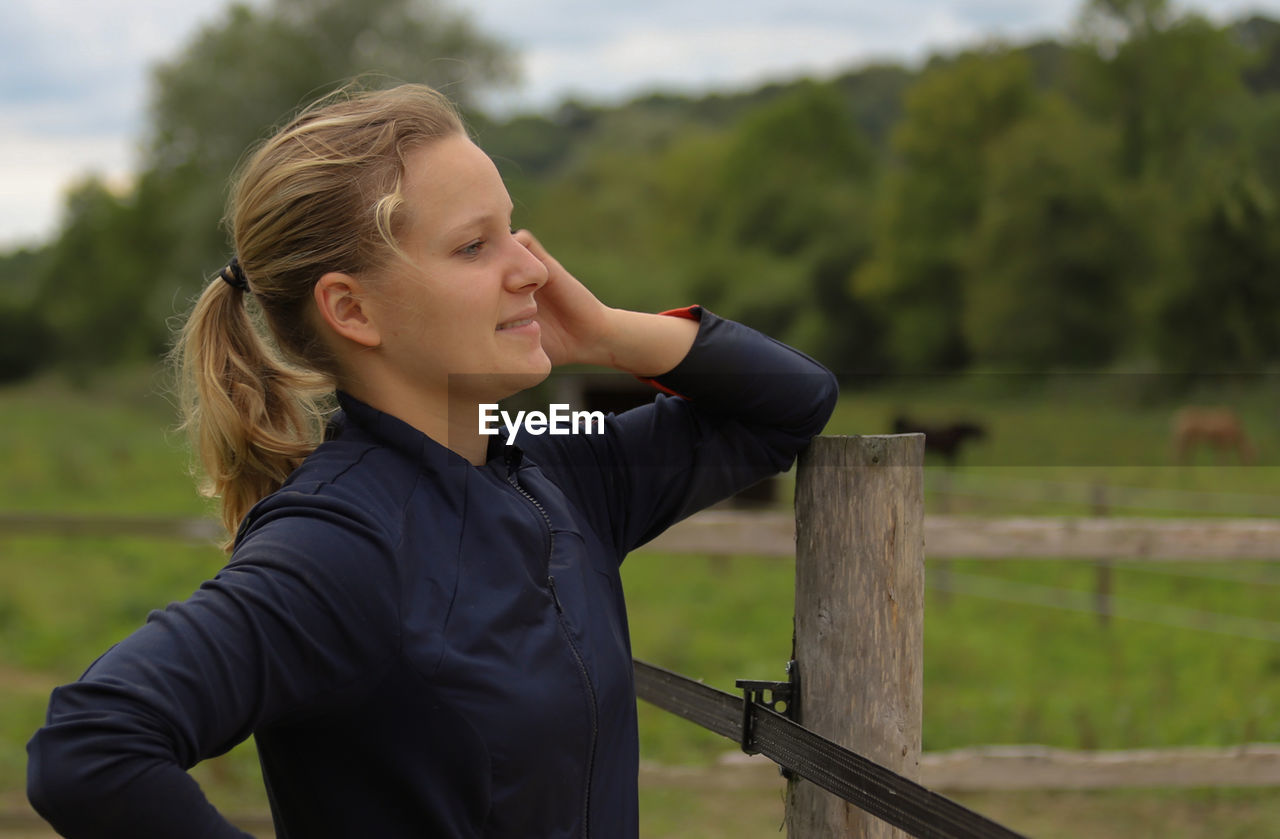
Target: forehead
448,183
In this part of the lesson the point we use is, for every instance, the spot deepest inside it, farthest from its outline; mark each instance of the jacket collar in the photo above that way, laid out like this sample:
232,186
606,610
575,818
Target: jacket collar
399,435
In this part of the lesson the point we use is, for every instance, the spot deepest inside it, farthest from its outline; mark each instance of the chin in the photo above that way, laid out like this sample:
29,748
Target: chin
539,369
493,387
515,382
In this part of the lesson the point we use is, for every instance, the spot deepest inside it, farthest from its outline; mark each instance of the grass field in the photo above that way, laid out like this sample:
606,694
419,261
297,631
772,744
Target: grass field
996,670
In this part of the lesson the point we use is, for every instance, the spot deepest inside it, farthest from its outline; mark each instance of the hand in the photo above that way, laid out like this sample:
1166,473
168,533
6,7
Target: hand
579,329
574,323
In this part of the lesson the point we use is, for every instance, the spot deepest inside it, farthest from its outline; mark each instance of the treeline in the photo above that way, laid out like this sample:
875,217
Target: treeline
1100,203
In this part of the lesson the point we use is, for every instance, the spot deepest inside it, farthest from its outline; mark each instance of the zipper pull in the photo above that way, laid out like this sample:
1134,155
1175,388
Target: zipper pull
555,598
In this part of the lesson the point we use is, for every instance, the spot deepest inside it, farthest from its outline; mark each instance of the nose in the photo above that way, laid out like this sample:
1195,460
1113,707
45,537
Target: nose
525,272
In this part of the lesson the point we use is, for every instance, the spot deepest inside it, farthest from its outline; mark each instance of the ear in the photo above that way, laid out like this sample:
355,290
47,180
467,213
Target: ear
341,301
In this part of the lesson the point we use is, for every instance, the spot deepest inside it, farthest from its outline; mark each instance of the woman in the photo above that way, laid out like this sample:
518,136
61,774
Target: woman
422,626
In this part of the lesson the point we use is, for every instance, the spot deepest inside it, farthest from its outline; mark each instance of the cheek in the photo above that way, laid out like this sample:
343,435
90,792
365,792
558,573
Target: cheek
466,305
437,304
413,304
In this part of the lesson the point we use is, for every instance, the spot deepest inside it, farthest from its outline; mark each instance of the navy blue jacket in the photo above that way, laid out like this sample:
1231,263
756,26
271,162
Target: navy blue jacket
423,647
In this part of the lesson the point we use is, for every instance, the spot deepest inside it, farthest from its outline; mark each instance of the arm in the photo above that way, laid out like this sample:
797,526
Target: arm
273,632
748,406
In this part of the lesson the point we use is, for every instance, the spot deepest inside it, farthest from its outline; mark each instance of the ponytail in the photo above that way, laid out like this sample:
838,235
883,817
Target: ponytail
251,417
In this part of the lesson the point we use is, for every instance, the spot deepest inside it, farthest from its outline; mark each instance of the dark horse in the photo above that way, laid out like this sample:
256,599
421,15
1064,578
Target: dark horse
944,440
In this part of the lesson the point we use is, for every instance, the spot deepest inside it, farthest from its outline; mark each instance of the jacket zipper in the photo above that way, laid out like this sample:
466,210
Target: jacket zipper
573,648
591,693
546,519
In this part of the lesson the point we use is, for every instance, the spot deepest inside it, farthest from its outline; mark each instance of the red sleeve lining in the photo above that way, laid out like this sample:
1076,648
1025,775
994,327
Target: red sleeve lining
687,312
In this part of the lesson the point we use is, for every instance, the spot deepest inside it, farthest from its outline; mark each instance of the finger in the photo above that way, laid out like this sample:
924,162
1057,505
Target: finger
535,247
527,239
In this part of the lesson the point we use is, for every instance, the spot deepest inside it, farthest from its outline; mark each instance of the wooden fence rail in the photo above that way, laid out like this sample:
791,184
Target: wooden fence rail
1040,767
769,533
178,528
773,534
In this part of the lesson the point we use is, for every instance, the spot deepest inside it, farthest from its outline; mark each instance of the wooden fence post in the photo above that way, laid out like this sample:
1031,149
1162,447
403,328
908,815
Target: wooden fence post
859,624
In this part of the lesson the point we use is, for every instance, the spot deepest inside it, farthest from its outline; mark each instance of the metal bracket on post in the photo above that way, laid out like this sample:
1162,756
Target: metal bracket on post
780,697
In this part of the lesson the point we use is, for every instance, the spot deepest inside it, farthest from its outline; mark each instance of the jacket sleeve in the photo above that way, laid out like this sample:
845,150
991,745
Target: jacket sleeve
290,623
741,407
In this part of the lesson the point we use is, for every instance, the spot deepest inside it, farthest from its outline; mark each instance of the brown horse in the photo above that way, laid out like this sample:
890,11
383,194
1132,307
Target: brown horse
1218,428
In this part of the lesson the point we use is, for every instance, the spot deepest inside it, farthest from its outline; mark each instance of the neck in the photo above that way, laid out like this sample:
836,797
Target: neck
449,419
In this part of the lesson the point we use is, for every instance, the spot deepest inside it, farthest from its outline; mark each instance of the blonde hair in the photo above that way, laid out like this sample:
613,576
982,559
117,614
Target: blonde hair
324,194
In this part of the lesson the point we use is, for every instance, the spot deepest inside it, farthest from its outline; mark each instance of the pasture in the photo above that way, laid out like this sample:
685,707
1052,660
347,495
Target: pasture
998,669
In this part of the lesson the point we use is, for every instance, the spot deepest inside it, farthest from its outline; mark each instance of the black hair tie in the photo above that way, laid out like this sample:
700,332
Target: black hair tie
234,276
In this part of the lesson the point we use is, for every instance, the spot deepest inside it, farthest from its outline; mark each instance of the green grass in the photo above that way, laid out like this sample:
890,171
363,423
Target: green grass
109,447
1051,440
1134,814
996,670
710,806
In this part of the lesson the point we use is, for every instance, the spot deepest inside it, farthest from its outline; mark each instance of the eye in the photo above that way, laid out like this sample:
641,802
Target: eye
471,249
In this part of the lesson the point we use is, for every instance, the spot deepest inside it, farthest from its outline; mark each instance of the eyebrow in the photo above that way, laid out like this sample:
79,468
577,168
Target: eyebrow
479,220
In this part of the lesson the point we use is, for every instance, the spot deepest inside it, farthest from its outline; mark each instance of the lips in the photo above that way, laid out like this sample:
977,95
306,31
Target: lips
524,319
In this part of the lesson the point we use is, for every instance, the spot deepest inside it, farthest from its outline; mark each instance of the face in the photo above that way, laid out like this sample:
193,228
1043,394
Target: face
458,319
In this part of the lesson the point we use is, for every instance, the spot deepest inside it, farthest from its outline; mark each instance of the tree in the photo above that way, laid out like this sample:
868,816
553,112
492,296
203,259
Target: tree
96,288
1172,83
240,77
1222,316
1053,260
783,167
1260,39
931,202
25,338
789,203
1192,135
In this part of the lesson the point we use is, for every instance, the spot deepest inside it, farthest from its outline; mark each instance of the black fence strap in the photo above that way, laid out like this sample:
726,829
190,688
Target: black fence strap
885,794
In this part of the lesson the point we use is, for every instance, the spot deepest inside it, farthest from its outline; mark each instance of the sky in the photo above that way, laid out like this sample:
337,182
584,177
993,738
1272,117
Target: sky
74,74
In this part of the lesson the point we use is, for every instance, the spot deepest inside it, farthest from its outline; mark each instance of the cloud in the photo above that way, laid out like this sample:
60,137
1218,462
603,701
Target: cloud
35,170
603,53
72,68
73,79
695,59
